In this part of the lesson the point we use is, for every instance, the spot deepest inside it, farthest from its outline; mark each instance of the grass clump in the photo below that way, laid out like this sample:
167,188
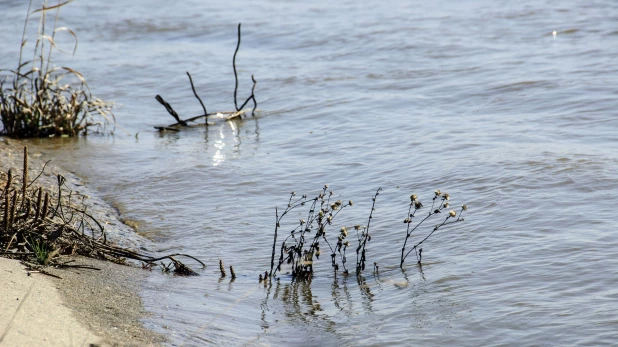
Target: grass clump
39,99
41,250
43,225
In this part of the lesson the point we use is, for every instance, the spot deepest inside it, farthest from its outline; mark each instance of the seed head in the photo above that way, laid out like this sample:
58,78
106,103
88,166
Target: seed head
302,221
446,205
347,243
464,207
406,221
292,193
452,213
413,197
417,205
350,203
446,196
437,192
357,227
344,231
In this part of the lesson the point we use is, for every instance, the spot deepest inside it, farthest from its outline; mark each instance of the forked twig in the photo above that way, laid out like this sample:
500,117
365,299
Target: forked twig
195,93
234,66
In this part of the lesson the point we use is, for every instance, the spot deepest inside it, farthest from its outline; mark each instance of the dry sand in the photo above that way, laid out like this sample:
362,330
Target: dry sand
32,313
84,307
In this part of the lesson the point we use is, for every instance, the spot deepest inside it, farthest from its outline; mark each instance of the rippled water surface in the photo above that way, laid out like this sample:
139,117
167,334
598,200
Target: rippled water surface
478,99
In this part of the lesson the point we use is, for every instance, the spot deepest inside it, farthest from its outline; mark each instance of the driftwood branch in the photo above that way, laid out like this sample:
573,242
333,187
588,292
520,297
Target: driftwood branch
239,111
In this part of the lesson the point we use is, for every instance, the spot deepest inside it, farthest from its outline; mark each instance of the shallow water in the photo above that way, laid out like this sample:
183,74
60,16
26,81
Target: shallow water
480,100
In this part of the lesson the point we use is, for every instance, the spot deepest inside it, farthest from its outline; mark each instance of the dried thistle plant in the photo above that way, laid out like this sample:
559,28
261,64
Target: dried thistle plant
302,246
36,100
364,238
439,203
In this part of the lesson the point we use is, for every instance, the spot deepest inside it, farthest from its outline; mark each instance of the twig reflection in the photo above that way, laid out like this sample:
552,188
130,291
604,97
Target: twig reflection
227,139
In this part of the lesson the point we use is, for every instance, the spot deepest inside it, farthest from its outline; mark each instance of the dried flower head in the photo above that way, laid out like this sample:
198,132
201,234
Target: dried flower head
357,227
344,231
292,193
347,243
338,203
445,205
302,221
452,213
464,207
446,196
417,205
326,186
413,197
407,220
350,203
437,192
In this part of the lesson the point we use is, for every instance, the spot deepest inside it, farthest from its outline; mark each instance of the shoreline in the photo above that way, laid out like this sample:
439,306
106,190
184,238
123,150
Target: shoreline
103,307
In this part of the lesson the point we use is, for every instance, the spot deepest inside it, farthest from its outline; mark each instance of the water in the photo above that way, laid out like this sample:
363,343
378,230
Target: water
480,100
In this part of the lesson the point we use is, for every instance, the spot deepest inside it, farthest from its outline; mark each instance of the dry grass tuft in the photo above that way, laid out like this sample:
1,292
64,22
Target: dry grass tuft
42,231
39,99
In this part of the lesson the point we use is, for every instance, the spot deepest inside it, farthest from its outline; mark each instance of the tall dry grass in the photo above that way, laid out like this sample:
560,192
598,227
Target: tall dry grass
40,99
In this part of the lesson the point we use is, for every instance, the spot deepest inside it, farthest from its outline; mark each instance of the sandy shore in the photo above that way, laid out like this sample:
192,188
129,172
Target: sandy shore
84,307
32,313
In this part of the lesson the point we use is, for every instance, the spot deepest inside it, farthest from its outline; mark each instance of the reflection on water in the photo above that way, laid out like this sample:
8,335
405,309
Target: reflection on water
302,308
300,303
290,310
223,139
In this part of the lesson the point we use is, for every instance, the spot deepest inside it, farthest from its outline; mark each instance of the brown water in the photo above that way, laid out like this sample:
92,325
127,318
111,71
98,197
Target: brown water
480,100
